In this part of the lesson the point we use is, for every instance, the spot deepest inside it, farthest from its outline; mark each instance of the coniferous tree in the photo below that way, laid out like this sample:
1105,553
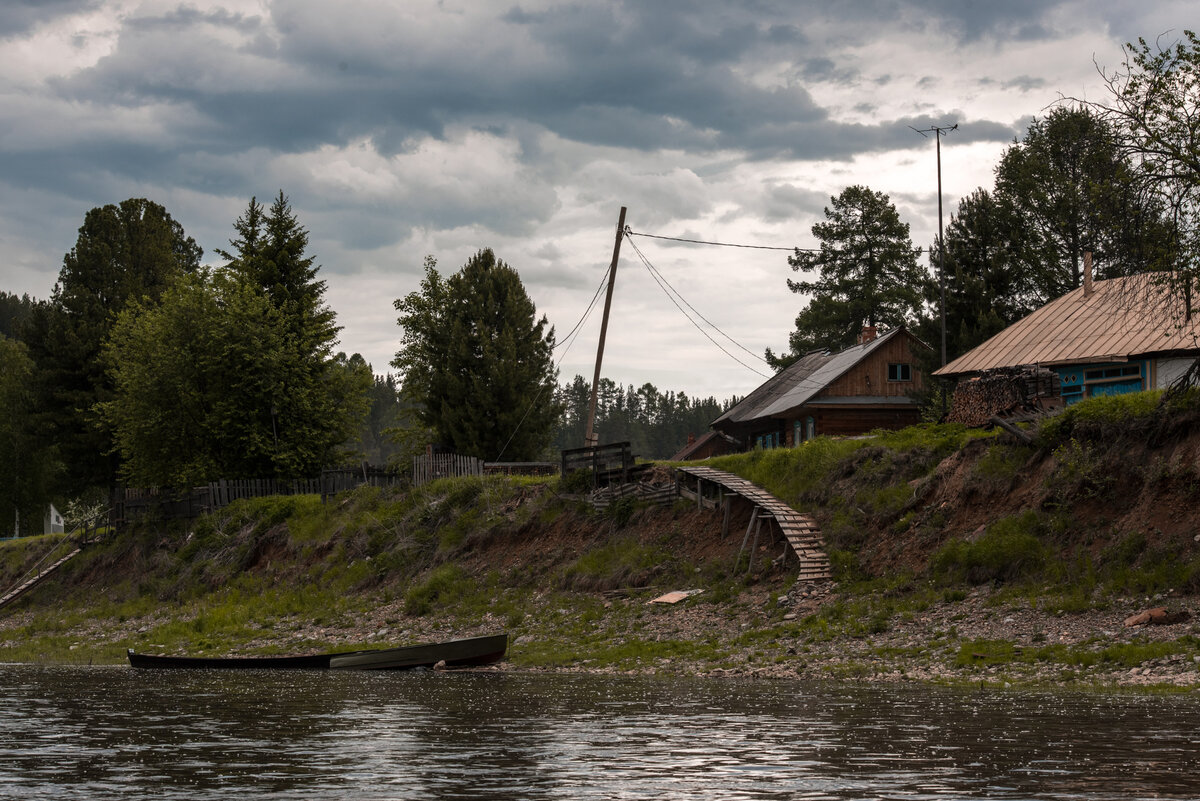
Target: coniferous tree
312,400
477,362
125,253
984,290
867,273
15,314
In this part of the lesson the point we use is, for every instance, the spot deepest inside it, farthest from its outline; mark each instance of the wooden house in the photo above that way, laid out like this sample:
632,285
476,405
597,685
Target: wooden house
712,443
859,389
1103,338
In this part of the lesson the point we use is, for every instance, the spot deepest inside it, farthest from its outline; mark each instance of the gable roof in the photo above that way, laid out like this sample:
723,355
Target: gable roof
799,382
687,451
1120,318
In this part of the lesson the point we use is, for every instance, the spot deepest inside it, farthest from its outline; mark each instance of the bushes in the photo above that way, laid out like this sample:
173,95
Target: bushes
444,585
1007,551
1101,417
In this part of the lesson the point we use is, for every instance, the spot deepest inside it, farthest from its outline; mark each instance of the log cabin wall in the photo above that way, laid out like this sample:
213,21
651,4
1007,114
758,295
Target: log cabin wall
870,377
836,421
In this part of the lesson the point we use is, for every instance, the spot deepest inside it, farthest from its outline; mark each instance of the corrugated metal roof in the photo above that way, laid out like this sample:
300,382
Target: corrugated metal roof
802,391
800,381
1122,317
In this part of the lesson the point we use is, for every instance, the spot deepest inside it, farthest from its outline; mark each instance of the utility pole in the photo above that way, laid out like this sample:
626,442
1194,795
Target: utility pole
940,131
591,438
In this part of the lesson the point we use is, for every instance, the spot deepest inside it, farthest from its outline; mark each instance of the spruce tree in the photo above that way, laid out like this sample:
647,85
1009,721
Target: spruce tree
478,361
125,253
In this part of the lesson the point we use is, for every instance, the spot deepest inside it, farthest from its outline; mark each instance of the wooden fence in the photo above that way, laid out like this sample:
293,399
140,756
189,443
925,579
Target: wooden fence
604,497
133,503
607,464
431,467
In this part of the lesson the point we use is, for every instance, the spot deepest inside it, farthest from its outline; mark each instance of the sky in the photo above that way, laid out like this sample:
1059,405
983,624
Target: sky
439,127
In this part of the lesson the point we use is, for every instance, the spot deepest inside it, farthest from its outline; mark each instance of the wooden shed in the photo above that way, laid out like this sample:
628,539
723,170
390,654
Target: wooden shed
1103,338
862,388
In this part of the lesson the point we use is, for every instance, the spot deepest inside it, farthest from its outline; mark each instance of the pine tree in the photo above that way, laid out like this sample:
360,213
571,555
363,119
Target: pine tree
867,274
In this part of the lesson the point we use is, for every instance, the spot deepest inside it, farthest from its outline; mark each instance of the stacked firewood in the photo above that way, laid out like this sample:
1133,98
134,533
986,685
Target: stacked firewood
1002,393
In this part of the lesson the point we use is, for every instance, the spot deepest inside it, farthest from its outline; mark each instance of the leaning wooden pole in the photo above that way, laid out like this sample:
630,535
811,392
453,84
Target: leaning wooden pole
590,438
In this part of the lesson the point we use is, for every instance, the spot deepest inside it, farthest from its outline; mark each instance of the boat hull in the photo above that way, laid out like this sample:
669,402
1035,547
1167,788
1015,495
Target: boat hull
454,653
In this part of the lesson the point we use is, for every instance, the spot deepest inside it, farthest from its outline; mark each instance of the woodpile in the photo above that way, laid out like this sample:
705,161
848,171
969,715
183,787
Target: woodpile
1004,393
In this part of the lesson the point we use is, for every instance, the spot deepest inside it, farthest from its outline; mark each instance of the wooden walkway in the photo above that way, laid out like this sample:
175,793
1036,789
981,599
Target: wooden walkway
798,529
35,577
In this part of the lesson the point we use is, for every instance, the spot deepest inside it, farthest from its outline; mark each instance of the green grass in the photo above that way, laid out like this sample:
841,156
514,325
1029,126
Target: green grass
1009,550
986,653
1099,417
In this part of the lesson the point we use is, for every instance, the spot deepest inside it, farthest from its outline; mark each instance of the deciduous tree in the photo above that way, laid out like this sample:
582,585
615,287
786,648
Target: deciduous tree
208,384
1154,105
1066,188
26,461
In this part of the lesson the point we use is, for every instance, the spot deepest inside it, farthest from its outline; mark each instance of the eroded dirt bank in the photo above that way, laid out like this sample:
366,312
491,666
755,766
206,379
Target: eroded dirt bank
957,560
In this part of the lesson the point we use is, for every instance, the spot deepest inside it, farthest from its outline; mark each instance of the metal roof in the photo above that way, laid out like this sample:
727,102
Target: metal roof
796,384
1121,317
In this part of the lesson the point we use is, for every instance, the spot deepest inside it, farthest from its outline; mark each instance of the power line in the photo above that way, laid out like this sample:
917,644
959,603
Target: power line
587,311
629,233
654,271
663,286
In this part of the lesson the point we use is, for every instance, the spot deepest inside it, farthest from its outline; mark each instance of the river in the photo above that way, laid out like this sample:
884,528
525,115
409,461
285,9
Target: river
113,732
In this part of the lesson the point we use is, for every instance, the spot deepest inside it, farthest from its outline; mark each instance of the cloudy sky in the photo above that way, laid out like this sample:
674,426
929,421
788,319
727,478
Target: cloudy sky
401,129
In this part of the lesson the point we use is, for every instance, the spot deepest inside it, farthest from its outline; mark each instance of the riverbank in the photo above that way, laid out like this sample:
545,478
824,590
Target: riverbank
959,558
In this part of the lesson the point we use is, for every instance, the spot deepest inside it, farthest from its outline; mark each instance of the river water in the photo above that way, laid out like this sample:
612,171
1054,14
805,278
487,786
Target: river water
113,732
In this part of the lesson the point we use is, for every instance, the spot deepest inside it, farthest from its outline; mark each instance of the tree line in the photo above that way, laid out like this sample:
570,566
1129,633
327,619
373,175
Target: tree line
147,367
656,424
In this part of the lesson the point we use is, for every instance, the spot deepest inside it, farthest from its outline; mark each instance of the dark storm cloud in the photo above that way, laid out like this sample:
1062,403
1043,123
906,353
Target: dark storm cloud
209,95
21,16
625,76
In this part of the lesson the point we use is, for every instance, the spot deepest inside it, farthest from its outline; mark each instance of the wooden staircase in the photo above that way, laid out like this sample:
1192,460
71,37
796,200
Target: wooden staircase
39,573
91,530
800,530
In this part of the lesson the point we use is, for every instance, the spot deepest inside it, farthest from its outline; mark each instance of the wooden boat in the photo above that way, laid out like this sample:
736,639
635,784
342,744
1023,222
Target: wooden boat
454,653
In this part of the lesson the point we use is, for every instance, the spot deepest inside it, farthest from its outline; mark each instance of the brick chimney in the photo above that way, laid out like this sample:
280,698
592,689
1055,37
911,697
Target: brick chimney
869,332
1087,273
691,438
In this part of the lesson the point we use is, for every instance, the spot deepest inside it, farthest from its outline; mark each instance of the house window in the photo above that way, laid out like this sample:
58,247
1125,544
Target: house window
1087,381
899,371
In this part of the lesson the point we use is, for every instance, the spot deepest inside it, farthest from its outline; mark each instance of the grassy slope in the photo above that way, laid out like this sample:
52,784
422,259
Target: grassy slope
916,519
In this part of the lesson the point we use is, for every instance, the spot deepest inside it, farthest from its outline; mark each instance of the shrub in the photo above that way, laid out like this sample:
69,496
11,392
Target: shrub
1007,551
445,584
1101,417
